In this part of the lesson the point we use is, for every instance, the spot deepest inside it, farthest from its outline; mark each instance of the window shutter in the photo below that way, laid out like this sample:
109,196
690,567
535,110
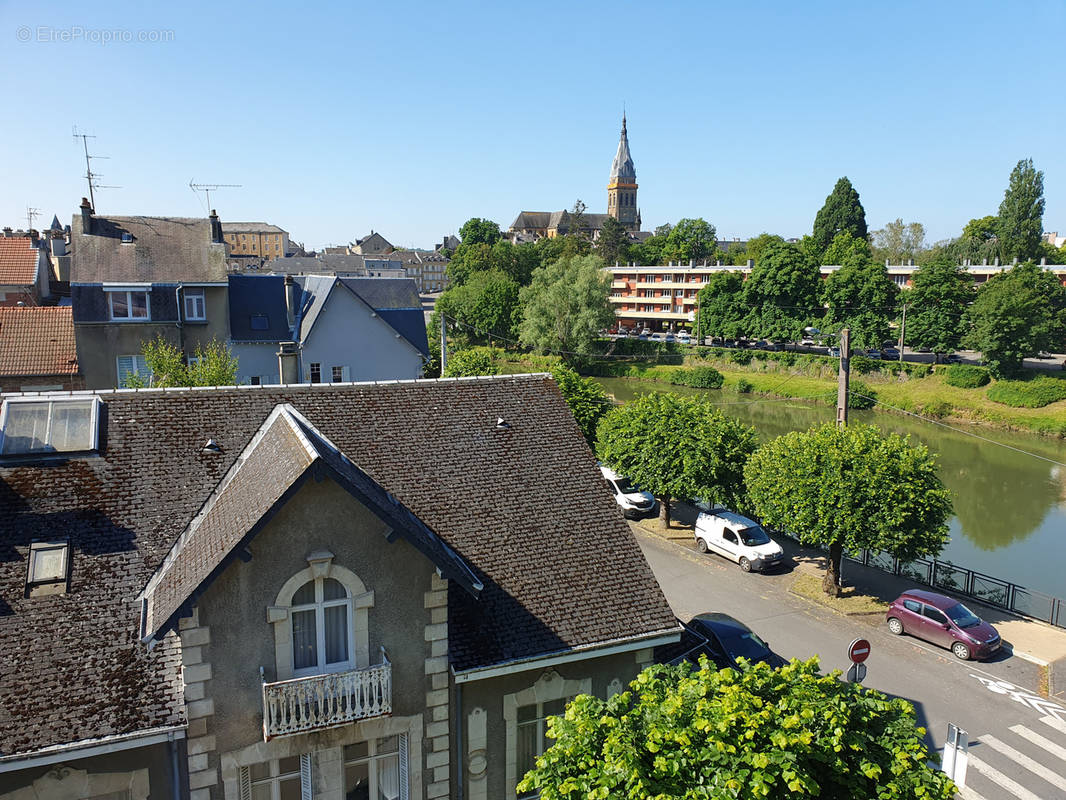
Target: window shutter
403,763
305,776
125,367
346,374
307,374
245,780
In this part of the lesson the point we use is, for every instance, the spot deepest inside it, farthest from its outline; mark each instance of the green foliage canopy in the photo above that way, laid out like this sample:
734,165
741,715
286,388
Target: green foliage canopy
841,212
851,488
899,241
690,239
721,307
861,296
487,303
566,306
756,732
781,293
613,244
472,361
588,401
936,303
479,231
1021,214
213,365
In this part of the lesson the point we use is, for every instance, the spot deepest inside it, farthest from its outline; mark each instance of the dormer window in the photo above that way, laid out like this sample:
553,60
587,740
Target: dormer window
30,426
48,568
128,304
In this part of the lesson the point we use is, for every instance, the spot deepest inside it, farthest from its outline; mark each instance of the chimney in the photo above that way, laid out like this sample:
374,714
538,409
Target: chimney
7,232
216,228
35,236
290,300
86,216
289,362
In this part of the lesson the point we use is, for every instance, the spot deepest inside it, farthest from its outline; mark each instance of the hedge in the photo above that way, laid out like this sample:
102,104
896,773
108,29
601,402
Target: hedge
861,396
698,378
1035,393
966,376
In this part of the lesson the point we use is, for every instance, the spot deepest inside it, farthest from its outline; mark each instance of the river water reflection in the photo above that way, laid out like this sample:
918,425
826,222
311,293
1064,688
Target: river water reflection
1010,507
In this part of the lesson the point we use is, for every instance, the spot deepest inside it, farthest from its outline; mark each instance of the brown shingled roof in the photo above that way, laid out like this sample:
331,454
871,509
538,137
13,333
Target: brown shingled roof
37,341
18,261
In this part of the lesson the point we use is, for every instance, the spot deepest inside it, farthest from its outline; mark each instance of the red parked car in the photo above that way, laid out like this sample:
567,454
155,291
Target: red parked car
943,621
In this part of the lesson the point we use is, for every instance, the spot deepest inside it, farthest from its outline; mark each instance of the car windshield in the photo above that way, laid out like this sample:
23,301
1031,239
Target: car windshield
753,536
746,645
625,486
962,616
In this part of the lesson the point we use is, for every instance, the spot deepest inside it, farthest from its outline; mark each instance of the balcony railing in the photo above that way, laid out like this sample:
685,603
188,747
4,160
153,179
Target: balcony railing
323,701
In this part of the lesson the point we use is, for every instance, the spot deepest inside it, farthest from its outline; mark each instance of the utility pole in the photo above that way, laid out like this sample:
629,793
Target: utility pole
443,344
902,331
842,380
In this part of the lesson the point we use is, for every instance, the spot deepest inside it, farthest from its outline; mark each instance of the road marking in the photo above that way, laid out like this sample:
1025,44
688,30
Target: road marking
1040,741
966,793
997,777
1055,723
1021,696
1023,760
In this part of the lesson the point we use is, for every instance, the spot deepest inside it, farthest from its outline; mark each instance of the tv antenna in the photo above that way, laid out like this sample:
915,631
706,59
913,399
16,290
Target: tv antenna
31,215
90,176
207,188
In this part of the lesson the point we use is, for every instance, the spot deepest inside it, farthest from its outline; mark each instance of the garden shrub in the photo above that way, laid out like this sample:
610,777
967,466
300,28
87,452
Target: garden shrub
744,386
936,409
698,378
742,357
1034,393
966,376
861,396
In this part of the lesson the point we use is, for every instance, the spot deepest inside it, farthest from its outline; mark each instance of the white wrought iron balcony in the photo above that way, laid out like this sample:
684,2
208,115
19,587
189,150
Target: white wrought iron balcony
323,701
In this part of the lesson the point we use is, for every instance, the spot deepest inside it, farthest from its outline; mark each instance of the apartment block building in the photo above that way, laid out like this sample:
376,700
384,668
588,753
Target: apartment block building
256,239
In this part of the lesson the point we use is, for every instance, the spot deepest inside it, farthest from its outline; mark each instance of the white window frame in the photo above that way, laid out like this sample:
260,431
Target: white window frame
140,368
274,779
199,305
33,577
373,758
318,608
94,421
128,293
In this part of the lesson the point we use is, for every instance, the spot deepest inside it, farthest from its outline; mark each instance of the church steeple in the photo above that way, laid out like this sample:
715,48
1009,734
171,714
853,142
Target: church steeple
622,186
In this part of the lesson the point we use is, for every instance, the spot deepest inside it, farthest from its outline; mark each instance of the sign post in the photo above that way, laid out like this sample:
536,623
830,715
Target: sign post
858,652
956,754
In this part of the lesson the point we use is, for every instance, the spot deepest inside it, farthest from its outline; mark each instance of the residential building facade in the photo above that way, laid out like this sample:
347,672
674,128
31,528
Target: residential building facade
255,239
299,592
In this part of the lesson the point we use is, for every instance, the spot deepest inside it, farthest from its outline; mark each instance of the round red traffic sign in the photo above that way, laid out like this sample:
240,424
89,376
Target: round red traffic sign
859,651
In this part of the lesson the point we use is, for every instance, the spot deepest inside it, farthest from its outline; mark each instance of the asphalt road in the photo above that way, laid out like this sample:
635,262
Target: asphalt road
997,702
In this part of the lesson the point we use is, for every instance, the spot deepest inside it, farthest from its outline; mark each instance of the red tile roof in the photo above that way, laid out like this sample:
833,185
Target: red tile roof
37,341
18,262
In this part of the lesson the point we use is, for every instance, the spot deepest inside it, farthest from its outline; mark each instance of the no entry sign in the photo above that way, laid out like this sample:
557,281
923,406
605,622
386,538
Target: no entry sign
859,651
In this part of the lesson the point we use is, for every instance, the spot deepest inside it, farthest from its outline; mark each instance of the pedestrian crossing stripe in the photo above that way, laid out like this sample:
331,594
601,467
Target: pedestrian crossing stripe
1055,723
1040,741
1023,760
997,777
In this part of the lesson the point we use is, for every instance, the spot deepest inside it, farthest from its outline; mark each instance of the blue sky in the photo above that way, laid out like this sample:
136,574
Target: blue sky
409,118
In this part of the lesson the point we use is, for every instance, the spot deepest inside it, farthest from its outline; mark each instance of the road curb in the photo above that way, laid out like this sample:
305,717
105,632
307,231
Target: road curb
1054,669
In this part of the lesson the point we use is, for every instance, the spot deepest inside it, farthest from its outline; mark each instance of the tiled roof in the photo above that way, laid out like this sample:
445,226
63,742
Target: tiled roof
37,341
523,505
162,250
18,261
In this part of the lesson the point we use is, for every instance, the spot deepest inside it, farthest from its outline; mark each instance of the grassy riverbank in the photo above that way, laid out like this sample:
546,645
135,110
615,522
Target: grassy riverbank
814,379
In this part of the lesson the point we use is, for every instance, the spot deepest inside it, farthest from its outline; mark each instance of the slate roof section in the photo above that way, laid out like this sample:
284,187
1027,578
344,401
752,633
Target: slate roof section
261,296
37,341
251,227
162,250
398,303
524,506
18,261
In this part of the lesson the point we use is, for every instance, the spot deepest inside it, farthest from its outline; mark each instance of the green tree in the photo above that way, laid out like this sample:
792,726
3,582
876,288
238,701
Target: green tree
899,241
577,223
566,246
756,246
213,365
649,252
486,304
845,248
1015,315
469,362
842,212
467,260
861,296
690,239
613,244
850,489
1021,214
588,401
677,447
721,306
781,294
936,305
566,306
754,732
479,231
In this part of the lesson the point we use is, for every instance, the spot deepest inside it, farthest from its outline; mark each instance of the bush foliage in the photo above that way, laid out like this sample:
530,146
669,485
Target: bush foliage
966,376
1036,393
698,378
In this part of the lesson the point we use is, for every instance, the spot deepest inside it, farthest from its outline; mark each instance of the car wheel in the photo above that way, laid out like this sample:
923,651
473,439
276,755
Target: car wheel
895,626
745,564
961,651
701,545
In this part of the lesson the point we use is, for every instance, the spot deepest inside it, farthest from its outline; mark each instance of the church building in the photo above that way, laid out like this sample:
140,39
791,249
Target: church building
621,204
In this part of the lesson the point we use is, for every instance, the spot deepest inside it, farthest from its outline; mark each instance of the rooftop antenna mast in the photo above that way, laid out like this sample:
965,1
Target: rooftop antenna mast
91,176
31,215
207,188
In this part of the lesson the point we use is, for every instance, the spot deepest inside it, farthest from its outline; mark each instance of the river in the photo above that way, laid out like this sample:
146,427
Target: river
1010,506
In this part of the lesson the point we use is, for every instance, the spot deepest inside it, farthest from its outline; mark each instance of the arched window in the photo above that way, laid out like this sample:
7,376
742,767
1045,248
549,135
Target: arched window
320,623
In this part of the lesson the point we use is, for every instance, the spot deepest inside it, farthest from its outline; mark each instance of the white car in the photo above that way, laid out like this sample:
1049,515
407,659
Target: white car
633,501
737,538
684,337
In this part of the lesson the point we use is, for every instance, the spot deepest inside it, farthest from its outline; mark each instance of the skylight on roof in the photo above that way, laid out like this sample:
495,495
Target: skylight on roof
29,426
259,322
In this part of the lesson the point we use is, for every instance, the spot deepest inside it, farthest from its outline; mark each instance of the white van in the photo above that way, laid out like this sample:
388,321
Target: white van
737,538
633,501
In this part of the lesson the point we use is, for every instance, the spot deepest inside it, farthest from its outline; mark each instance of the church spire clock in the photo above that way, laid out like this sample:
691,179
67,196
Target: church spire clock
622,185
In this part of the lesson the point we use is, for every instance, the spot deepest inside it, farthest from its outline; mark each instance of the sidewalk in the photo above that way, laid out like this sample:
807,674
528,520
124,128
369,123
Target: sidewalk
1029,639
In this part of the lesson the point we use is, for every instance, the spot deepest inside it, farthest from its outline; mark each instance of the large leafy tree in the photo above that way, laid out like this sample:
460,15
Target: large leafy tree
677,447
1021,214
936,305
613,244
851,488
485,305
861,296
690,239
566,306
515,261
979,241
755,248
588,401
213,365
846,247
479,231
721,306
1015,315
722,734
842,212
899,241
781,294
469,362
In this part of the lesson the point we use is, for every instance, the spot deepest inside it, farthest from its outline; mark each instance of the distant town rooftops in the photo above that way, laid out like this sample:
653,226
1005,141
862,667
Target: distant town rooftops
18,261
251,227
37,341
